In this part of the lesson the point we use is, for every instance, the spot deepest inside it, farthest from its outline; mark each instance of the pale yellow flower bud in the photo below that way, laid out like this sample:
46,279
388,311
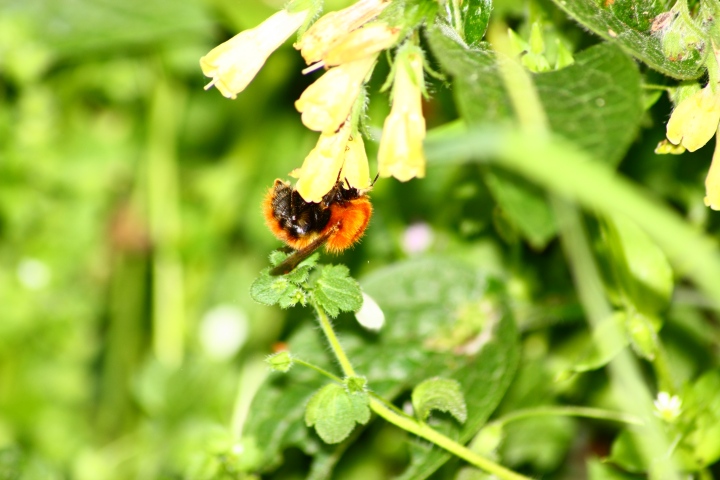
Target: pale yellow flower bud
333,26
401,146
319,171
326,104
695,119
712,181
355,169
232,65
360,43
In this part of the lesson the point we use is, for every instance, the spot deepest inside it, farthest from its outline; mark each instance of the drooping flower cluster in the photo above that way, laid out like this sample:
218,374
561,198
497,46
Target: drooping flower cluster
346,43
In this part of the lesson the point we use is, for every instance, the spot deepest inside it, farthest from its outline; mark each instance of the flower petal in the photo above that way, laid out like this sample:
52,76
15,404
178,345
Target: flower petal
695,120
356,169
326,104
321,167
712,181
333,26
233,64
401,147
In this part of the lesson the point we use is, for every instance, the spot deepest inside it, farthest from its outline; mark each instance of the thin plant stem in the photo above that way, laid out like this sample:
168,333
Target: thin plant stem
567,411
321,371
423,430
332,339
409,424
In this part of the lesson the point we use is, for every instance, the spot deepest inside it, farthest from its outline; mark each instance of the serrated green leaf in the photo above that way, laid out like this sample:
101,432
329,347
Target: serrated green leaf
276,257
271,290
334,412
335,291
615,25
276,417
596,102
443,394
416,297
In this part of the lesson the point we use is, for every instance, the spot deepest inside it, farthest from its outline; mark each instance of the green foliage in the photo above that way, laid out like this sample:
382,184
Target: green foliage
550,287
336,291
440,394
280,362
333,411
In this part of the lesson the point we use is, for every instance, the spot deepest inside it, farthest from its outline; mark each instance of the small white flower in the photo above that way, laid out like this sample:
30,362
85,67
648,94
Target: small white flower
668,407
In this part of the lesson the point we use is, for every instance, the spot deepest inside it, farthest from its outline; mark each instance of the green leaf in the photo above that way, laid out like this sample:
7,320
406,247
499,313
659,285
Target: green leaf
625,454
470,19
438,302
541,442
335,291
442,394
599,470
278,408
596,102
270,290
280,362
622,26
421,339
642,331
355,384
525,204
640,269
607,341
334,412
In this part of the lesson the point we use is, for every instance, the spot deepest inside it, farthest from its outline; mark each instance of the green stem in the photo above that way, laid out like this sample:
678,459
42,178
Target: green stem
423,430
394,416
337,349
585,412
321,371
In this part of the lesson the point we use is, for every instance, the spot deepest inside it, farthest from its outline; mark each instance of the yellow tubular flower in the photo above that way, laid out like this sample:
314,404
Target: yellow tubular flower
360,43
232,65
355,169
712,181
320,169
333,26
401,146
695,119
326,104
